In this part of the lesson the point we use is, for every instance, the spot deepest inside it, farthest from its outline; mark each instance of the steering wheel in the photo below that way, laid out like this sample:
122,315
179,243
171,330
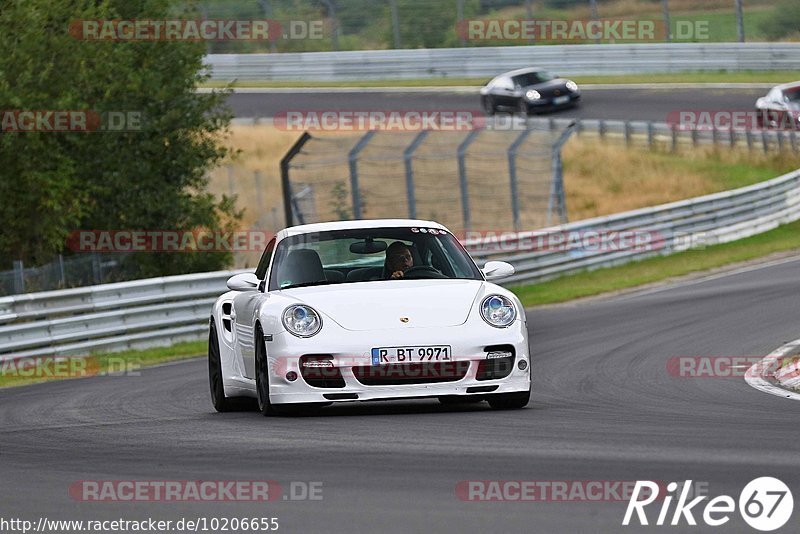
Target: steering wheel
422,271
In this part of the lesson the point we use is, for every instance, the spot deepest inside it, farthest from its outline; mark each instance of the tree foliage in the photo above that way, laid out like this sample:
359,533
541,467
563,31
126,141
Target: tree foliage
150,178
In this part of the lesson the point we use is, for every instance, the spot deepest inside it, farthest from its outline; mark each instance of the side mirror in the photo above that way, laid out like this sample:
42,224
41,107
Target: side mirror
496,270
243,282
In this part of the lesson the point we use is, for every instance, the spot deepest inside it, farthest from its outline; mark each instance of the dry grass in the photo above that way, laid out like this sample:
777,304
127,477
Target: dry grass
601,177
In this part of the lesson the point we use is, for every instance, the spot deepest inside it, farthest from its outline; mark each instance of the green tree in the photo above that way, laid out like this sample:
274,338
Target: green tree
784,21
150,177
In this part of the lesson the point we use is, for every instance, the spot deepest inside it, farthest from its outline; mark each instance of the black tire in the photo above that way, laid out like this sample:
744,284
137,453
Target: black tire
488,106
218,399
262,377
509,401
451,400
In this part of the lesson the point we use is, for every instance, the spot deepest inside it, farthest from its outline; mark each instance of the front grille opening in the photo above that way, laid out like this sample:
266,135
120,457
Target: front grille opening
401,374
496,368
320,377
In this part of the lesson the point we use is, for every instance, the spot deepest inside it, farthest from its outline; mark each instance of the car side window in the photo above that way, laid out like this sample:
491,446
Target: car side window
505,83
263,264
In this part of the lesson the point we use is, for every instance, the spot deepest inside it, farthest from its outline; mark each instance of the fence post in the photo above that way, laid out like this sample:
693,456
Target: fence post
61,271
779,134
395,24
749,137
259,199
285,183
512,175
765,141
352,158
97,269
557,197
19,277
674,138
462,177
408,155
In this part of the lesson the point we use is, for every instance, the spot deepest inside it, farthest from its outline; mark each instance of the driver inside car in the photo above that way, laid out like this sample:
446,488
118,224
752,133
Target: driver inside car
398,260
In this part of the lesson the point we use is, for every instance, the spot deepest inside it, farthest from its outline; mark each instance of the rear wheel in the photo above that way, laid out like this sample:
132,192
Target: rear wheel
218,399
509,401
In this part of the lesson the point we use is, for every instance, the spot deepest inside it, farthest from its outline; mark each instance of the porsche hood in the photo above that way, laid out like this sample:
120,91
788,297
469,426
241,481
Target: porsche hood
393,304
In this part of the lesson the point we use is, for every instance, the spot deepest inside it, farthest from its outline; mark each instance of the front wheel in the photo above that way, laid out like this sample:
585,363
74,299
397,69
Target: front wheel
488,106
509,401
218,399
262,378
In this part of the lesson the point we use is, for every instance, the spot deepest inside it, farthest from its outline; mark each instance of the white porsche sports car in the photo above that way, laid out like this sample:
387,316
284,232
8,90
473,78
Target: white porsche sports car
368,310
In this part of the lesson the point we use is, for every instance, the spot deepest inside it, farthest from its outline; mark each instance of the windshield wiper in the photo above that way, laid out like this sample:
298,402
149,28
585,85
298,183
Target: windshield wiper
310,284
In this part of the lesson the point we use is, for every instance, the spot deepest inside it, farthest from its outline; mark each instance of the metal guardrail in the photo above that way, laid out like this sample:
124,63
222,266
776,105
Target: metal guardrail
566,60
137,314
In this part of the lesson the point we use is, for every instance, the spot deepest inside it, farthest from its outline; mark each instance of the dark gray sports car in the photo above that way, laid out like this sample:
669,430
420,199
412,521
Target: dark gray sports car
528,91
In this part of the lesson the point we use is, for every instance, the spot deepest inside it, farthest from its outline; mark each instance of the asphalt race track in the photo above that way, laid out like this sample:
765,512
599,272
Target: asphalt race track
604,408
622,104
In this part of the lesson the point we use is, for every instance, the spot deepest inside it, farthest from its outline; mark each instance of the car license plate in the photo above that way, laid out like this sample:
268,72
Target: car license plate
560,100
386,355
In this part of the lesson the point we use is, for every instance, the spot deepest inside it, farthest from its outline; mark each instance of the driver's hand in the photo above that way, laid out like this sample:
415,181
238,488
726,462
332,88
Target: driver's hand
397,274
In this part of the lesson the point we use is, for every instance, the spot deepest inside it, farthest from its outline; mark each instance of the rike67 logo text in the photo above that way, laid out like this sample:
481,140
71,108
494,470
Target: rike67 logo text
765,504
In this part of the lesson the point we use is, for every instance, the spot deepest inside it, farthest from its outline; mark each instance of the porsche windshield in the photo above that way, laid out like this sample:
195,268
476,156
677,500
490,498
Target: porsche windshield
364,255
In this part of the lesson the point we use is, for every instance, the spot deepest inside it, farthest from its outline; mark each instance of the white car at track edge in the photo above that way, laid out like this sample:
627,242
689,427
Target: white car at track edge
328,317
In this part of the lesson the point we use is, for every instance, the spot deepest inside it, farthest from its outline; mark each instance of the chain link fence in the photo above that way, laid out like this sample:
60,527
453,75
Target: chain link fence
485,179
74,271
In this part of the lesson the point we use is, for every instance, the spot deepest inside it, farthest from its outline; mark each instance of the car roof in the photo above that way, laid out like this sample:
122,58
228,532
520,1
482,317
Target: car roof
356,225
517,72
790,85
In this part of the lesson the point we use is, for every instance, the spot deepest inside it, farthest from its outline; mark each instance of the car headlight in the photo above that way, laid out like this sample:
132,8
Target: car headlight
572,86
533,95
498,311
302,321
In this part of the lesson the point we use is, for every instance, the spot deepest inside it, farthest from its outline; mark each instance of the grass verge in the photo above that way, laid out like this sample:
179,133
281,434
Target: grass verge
766,77
587,284
125,363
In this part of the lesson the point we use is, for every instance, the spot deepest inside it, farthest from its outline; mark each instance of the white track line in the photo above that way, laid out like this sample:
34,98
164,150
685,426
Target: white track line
753,376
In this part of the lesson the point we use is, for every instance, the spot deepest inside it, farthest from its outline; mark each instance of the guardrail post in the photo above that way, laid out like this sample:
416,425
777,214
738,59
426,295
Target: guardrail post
512,175
695,137
732,137
793,139
780,141
765,141
285,183
558,200
674,138
749,137
408,154
650,134
714,137
352,158
19,277
627,133
602,128
462,177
